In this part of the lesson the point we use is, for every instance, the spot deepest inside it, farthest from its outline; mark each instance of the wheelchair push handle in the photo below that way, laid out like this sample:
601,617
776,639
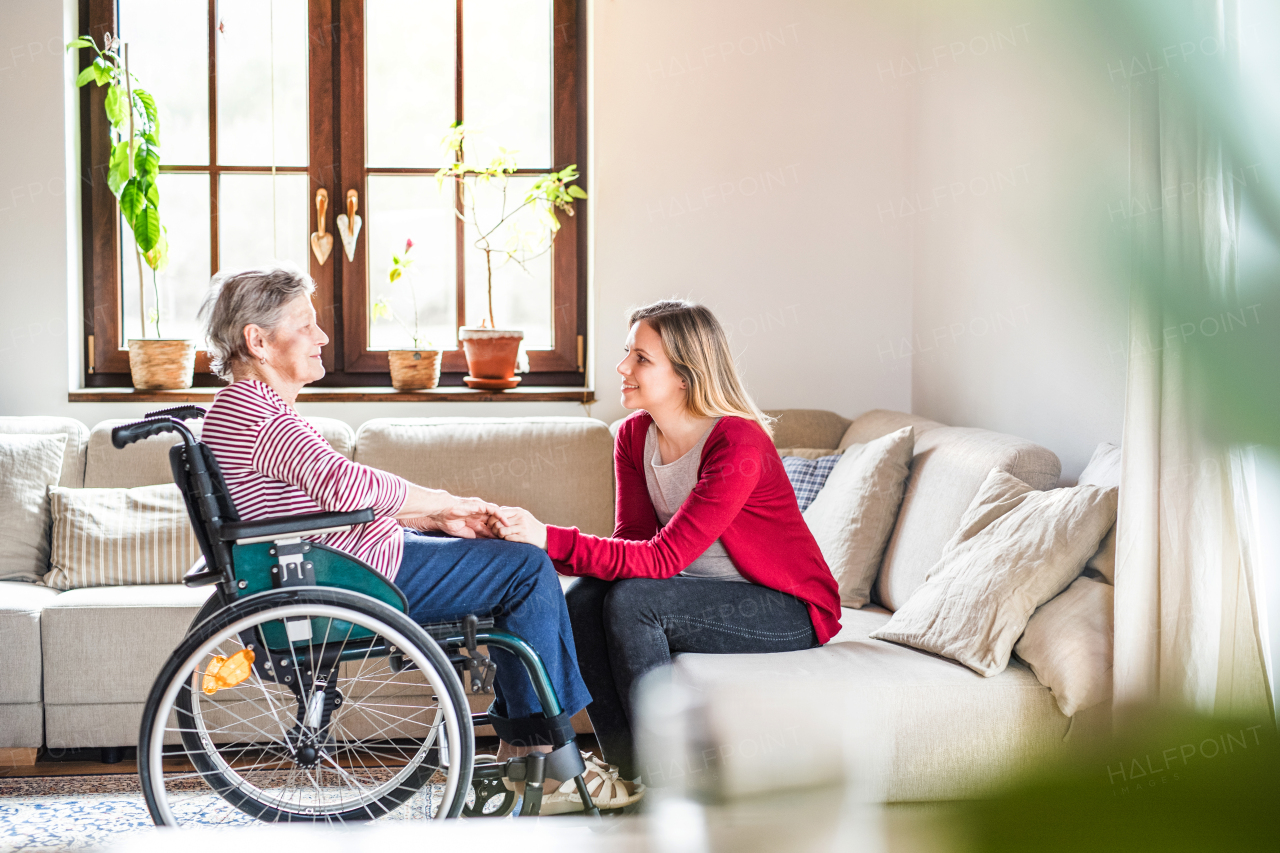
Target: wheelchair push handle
182,413
126,434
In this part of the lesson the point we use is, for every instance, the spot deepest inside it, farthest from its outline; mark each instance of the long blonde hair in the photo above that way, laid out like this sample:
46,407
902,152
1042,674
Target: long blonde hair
697,348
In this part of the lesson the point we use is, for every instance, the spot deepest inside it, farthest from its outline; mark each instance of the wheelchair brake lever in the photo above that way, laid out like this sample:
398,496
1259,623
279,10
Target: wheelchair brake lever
479,667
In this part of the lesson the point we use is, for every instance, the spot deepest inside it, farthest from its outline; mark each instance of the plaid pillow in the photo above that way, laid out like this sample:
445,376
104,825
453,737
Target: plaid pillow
808,476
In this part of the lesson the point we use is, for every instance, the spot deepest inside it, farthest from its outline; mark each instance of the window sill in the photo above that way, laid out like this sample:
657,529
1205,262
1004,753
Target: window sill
531,394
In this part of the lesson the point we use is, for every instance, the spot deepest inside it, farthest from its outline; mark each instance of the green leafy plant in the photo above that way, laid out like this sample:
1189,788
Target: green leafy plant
133,170
551,192
382,308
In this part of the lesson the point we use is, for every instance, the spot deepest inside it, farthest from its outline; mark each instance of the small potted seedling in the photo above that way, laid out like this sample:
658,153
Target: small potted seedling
417,368
492,352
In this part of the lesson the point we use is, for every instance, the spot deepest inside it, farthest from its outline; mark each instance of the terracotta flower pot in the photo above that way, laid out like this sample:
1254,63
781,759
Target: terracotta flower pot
161,365
491,356
413,370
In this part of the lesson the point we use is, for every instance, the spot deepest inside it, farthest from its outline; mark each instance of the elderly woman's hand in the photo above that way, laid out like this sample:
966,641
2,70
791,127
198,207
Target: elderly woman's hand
466,518
515,524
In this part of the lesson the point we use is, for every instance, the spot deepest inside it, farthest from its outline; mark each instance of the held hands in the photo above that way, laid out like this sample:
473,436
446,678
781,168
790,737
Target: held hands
515,524
465,518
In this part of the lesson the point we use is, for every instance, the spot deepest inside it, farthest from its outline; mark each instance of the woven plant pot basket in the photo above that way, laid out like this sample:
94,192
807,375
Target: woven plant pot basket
161,365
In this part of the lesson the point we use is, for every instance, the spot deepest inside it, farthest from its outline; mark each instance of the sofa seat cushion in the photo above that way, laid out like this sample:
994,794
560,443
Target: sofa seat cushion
107,644
560,469
21,605
949,730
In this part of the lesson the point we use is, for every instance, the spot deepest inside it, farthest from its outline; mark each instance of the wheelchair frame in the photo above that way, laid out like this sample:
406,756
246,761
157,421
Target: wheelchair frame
246,558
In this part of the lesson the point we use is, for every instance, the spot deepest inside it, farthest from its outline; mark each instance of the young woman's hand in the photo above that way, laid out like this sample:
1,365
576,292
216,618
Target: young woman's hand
515,524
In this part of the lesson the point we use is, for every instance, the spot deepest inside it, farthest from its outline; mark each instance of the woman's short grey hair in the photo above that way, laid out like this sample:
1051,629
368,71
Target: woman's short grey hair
243,297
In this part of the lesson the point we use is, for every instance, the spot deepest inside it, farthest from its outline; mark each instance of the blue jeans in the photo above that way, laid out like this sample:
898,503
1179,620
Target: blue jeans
446,578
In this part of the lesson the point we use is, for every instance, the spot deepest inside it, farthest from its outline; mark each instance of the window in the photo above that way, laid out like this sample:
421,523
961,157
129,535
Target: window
264,102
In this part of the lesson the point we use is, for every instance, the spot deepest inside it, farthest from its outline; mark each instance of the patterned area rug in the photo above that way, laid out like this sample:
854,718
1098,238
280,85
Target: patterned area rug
85,812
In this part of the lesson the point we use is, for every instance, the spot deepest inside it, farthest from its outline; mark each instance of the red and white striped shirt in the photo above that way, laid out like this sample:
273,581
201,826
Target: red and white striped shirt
275,463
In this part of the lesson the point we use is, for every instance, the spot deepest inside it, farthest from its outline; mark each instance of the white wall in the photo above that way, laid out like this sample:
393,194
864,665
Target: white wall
1020,313
736,150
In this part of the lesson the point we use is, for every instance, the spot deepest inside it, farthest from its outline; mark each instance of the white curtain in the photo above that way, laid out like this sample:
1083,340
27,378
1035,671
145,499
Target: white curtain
1186,618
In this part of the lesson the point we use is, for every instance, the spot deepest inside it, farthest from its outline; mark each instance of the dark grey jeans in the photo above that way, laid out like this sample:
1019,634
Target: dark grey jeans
623,629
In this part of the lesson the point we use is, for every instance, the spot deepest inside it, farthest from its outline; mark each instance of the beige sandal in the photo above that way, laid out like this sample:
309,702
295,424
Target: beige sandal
607,790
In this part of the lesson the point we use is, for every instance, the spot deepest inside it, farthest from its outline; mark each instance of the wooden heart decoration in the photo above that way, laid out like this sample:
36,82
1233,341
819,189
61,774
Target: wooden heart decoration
321,243
349,229
321,246
349,225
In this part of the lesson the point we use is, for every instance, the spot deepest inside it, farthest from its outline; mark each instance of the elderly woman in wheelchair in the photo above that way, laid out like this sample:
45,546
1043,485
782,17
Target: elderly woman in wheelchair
319,682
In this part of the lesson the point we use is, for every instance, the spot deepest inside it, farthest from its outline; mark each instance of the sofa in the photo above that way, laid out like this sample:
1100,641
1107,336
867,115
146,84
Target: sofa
78,664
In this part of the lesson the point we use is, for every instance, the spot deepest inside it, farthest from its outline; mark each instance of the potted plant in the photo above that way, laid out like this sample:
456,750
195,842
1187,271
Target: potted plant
492,352
418,368
133,173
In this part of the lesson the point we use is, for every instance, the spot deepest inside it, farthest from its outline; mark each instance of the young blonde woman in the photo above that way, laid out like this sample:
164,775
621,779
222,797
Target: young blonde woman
709,553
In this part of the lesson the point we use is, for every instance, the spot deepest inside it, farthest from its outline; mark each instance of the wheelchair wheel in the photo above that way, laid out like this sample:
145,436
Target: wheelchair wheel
347,711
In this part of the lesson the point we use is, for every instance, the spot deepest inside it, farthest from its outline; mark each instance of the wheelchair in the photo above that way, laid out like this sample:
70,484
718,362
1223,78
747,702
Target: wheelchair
303,692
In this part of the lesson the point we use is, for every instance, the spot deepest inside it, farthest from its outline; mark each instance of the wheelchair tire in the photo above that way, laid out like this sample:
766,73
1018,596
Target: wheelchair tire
265,751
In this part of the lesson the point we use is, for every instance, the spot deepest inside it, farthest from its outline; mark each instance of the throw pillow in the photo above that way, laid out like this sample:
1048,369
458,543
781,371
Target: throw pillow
1103,470
120,537
1016,549
31,465
1067,644
808,476
853,515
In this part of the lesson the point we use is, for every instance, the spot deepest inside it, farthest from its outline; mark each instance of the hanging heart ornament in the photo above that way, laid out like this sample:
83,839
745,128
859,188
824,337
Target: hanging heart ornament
349,225
321,243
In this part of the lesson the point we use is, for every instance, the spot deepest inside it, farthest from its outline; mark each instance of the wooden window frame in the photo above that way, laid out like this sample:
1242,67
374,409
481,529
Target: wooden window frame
337,163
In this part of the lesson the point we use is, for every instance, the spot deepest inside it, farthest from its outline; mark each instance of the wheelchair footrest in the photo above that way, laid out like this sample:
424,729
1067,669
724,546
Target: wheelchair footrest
563,763
534,731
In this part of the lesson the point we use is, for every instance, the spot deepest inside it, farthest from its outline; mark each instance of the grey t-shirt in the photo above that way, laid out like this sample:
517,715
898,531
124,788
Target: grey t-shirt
669,486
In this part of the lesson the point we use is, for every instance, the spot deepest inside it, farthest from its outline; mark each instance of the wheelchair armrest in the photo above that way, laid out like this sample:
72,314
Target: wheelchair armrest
304,524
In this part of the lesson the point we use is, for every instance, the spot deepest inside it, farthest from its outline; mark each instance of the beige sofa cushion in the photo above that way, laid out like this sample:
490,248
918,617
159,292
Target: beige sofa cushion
878,422
807,427
948,730
146,462
106,644
560,469
73,455
809,453
30,465
950,464
1068,645
120,537
853,514
21,723
1016,549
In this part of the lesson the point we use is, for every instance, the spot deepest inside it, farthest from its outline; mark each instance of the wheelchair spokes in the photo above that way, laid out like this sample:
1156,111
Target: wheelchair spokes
313,733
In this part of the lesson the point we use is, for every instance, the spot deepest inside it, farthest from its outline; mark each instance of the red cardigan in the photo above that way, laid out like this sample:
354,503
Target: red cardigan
742,497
